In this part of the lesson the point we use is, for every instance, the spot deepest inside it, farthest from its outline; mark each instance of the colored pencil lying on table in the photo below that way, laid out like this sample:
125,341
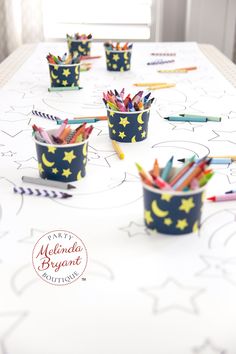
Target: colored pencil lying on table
47,182
223,198
41,192
215,160
118,149
209,118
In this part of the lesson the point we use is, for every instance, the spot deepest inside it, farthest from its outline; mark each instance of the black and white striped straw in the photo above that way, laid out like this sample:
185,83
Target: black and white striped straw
41,192
45,115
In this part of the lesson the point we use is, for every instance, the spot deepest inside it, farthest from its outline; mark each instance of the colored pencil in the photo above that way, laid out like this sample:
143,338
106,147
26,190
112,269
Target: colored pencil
47,182
41,192
223,198
118,149
185,119
66,88
210,118
78,121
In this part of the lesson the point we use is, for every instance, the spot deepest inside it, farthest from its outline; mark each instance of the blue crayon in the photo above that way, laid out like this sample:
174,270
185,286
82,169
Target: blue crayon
167,169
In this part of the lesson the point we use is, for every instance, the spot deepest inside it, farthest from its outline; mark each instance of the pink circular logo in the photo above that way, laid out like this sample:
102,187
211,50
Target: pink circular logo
59,257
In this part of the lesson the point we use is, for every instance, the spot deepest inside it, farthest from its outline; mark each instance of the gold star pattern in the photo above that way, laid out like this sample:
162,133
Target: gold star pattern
66,172
52,149
122,135
64,82
58,81
124,121
187,204
113,131
181,224
55,171
114,66
55,67
112,113
116,57
41,170
195,226
140,127
168,221
69,156
143,134
148,216
66,72
166,197
122,69
128,66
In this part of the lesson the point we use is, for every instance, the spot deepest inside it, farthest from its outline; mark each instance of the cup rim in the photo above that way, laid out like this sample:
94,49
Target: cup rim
58,145
79,40
64,64
118,51
172,192
138,112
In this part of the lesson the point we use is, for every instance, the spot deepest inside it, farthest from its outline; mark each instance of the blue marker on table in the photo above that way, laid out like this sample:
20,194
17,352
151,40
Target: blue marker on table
214,160
186,119
78,121
167,169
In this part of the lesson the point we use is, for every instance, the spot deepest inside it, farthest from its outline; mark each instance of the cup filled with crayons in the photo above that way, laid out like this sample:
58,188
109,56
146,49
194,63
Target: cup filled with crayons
173,198
64,72
118,56
79,44
62,152
127,117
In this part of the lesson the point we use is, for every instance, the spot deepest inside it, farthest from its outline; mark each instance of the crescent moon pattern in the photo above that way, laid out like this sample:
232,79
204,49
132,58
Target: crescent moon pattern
157,211
62,164
139,118
175,215
46,162
128,128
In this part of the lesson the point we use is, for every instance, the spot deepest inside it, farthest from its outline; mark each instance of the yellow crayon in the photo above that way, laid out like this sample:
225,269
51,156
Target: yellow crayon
118,150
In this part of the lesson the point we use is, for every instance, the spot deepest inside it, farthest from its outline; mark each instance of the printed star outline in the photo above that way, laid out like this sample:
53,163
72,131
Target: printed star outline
172,295
134,229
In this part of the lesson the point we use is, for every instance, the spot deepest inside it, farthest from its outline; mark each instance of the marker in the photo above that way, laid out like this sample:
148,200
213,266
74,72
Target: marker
167,169
223,198
210,118
68,88
118,149
78,121
214,160
41,192
92,117
229,192
185,119
47,182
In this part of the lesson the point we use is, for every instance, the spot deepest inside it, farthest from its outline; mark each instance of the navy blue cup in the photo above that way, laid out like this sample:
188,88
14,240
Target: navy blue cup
118,60
64,75
128,127
65,163
171,212
79,47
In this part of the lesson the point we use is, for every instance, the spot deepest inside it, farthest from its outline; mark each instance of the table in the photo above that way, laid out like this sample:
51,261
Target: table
141,291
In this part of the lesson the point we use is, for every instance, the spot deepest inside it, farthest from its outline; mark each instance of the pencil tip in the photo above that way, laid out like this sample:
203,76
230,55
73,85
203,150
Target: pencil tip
70,186
181,160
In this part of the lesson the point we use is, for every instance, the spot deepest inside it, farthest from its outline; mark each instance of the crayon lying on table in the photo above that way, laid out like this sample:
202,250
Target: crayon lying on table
118,149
